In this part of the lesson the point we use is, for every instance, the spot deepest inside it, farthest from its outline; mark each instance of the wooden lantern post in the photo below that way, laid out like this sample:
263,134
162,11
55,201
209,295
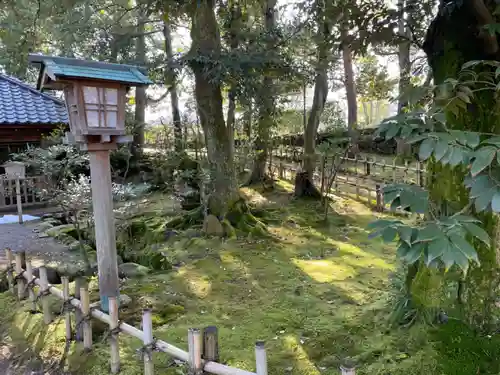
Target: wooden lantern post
95,94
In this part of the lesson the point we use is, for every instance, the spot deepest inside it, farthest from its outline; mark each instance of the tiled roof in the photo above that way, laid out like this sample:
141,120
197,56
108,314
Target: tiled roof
77,68
23,104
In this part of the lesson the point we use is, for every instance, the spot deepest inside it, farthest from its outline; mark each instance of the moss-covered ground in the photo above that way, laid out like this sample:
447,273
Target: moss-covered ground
315,291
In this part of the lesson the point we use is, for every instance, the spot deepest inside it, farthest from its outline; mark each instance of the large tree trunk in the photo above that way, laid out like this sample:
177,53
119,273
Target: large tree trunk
206,42
171,80
140,92
350,88
452,40
304,184
403,148
267,108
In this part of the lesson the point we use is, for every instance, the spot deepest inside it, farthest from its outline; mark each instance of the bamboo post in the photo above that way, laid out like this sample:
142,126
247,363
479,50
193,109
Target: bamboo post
323,177
394,170
420,172
19,202
194,345
20,279
147,327
79,284
356,181
405,177
347,370
44,290
280,171
29,274
113,338
367,166
211,344
260,358
86,322
67,312
10,272
378,191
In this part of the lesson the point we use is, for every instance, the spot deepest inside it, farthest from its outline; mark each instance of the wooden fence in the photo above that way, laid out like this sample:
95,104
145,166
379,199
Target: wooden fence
203,350
22,190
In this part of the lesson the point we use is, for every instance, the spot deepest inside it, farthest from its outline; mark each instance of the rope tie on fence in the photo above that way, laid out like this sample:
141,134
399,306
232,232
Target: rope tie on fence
147,350
67,306
30,285
111,332
84,319
18,277
41,294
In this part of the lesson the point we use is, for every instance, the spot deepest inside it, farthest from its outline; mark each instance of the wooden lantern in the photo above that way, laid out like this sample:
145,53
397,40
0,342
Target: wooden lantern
95,94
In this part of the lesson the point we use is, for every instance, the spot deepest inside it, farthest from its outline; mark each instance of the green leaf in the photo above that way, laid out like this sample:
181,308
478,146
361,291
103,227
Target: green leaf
473,139
461,259
465,247
440,150
395,204
390,196
478,232
426,149
405,234
381,223
482,202
436,248
414,253
403,250
482,159
493,141
392,132
456,156
480,185
448,257
389,234
495,202
429,233
417,138
466,219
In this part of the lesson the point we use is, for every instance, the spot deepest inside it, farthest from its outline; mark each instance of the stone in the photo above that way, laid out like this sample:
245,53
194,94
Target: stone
42,227
212,226
67,229
132,270
125,300
193,233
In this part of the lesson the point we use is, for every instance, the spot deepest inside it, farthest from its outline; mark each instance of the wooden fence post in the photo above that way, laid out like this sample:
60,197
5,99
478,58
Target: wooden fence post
19,276
85,321
67,312
367,166
29,273
420,174
79,284
44,291
260,358
194,345
19,202
379,205
113,338
10,271
147,327
211,344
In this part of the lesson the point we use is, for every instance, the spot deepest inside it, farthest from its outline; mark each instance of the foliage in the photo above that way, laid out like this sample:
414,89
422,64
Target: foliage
372,81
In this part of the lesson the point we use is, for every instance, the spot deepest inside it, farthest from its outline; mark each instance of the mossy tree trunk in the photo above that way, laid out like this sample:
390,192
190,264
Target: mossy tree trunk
206,42
454,38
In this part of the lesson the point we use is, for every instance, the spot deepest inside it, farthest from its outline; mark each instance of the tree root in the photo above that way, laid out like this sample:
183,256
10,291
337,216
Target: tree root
239,218
304,187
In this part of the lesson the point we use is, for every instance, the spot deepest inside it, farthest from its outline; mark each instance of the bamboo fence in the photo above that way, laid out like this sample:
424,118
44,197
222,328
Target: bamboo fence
203,346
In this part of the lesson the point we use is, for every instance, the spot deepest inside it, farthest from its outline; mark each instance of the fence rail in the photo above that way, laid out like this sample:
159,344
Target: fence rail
201,356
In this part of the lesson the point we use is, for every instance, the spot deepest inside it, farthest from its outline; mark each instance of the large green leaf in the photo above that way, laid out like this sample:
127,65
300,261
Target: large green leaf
382,223
414,253
426,149
493,141
495,202
465,247
403,250
448,257
436,248
440,150
480,185
482,159
461,260
473,139
392,131
405,234
389,234
456,156
429,233
478,232
483,201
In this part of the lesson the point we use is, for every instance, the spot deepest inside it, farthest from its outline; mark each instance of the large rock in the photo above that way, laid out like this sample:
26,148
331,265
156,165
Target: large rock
131,270
212,226
60,230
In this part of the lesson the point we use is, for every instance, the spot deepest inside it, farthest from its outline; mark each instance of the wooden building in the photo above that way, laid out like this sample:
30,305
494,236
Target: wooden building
26,115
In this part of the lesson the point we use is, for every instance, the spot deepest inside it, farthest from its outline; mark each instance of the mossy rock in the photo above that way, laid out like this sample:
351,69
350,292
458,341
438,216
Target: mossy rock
132,270
59,231
168,313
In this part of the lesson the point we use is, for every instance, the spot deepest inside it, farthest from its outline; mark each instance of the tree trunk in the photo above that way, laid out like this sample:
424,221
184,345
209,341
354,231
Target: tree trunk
403,148
304,184
350,88
171,80
267,108
140,91
452,40
206,42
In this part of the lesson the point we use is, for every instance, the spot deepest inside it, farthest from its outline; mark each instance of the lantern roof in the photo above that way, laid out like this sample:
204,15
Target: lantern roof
54,69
